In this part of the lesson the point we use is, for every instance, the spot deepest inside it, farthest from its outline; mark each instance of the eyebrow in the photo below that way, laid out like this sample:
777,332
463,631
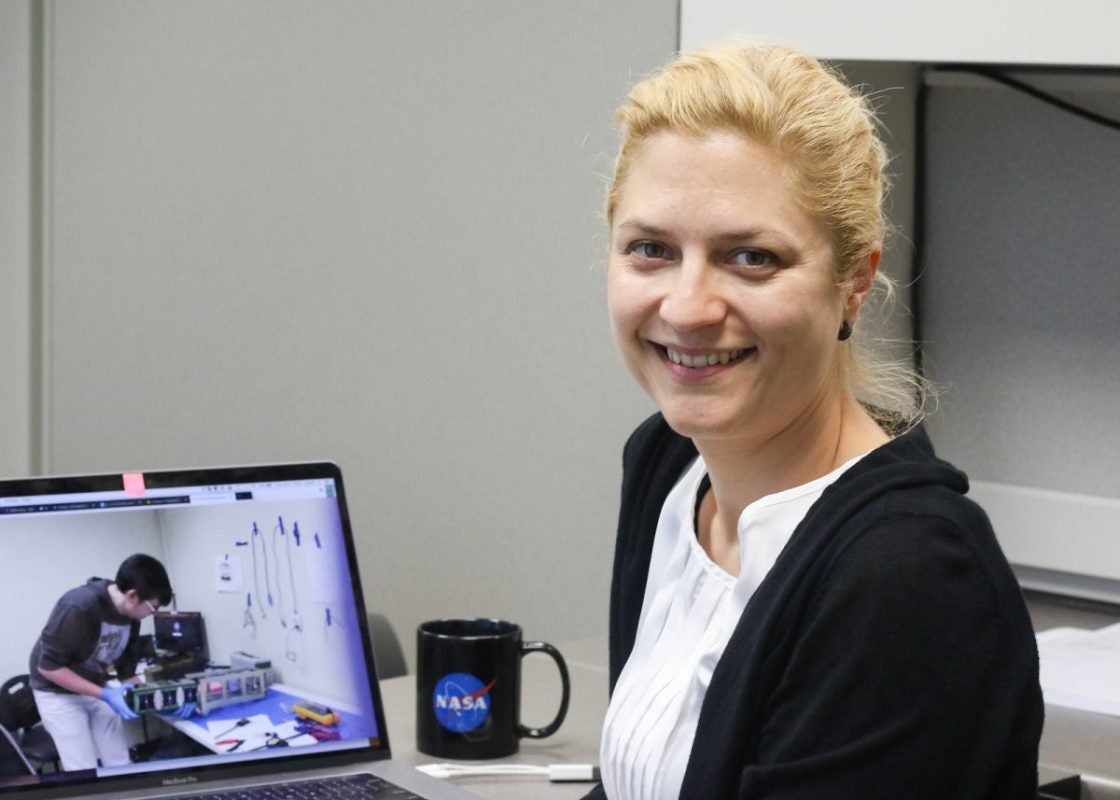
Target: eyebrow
745,234
642,227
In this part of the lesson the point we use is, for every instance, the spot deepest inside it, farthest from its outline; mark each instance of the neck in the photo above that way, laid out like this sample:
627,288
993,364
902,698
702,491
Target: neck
744,470
118,598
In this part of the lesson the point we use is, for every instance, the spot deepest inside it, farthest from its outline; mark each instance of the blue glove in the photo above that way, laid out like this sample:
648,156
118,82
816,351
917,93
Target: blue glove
182,712
114,696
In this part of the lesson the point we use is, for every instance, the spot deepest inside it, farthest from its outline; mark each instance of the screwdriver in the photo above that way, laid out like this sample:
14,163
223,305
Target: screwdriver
238,724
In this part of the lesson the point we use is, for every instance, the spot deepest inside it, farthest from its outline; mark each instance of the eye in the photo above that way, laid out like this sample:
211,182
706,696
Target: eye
648,250
753,258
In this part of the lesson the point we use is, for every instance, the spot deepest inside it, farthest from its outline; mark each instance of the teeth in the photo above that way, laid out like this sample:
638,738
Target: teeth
708,360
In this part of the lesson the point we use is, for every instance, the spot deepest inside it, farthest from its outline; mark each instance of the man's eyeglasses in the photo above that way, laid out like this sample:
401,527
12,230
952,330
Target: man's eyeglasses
152,608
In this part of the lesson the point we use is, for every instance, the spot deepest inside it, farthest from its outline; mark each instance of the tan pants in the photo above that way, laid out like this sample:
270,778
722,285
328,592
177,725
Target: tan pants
84,730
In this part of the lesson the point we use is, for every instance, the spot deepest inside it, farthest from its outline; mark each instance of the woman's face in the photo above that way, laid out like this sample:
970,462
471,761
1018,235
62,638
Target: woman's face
720,289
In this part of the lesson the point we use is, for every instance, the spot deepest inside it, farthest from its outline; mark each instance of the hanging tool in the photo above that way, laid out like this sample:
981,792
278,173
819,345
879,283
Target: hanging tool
247,620
264,560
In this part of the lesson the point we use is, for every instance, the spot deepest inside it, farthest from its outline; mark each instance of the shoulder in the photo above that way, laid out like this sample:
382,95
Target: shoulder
75,613
84,597
897,533
653,461
906,505
654,455
95,595
900,643
90,598
903,498
915,593
930,598
915,534
926,563
650,437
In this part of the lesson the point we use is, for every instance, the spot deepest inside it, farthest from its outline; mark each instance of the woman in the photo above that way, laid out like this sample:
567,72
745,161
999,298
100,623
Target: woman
804,604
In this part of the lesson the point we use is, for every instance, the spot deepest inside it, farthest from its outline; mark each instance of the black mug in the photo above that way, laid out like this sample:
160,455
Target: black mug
468,688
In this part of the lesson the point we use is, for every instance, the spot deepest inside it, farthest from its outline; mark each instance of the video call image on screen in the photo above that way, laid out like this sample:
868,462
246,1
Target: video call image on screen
262,646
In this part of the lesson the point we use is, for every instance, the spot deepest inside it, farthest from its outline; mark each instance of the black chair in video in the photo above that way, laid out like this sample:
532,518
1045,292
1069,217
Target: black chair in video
20,716
12,761
386,647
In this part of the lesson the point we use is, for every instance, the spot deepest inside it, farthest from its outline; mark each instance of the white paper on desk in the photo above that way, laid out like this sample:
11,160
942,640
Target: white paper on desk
257,732
1081,668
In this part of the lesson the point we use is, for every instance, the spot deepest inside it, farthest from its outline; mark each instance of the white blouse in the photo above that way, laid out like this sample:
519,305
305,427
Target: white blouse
690,608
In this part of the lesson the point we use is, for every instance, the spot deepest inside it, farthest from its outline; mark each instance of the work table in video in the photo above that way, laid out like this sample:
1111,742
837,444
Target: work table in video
237,706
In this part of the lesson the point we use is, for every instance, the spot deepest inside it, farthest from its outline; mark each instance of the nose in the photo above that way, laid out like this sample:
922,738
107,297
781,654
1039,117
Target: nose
692,299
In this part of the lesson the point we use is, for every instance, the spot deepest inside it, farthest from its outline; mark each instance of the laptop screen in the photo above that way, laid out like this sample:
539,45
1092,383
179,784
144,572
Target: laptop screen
259,662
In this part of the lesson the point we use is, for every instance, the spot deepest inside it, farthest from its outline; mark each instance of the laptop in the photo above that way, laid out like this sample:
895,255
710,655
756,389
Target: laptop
260,671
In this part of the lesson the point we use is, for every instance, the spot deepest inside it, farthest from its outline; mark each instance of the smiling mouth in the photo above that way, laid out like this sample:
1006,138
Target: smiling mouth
706,359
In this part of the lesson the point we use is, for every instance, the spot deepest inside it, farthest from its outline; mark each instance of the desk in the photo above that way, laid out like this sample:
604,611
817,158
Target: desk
1077,742
1073,742
577,741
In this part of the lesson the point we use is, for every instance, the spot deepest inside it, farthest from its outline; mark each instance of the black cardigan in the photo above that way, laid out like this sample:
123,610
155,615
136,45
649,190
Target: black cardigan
888,654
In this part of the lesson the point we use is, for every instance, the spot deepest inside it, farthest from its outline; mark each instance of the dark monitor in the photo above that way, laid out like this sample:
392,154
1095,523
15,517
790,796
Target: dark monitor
146,646
181,633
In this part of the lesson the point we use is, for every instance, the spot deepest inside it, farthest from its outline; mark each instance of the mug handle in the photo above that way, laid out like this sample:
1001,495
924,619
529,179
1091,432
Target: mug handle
552,727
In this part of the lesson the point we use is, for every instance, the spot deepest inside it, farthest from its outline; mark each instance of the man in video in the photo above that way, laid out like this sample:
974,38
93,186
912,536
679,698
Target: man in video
92,629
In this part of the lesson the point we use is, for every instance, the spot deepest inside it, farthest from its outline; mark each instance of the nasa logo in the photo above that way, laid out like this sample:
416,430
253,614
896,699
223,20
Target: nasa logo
461,702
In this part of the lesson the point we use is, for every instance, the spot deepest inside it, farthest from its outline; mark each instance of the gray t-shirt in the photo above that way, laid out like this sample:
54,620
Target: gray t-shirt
85,633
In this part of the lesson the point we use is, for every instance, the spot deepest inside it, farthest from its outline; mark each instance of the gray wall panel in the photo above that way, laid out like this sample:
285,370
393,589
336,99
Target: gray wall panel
362,231
1022,284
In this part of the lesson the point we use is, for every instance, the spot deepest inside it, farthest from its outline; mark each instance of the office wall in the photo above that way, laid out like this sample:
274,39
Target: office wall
94,546
1020,300
1019,312
363,231
17,78
893,91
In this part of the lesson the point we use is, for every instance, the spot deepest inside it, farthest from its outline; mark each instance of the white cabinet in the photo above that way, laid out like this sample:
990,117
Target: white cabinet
1075,32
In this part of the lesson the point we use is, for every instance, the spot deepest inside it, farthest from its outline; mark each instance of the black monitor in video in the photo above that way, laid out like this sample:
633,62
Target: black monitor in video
180,633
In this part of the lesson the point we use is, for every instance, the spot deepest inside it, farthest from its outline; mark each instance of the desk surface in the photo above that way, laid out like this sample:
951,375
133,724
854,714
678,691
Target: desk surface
1076,742
1073,742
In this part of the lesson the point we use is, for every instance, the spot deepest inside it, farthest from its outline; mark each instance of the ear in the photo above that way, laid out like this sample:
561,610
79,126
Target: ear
860,286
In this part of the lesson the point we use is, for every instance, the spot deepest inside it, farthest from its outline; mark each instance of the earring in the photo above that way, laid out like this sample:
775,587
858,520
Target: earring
845,331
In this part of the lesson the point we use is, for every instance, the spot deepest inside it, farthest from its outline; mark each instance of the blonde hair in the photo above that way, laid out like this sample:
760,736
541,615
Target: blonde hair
825,130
